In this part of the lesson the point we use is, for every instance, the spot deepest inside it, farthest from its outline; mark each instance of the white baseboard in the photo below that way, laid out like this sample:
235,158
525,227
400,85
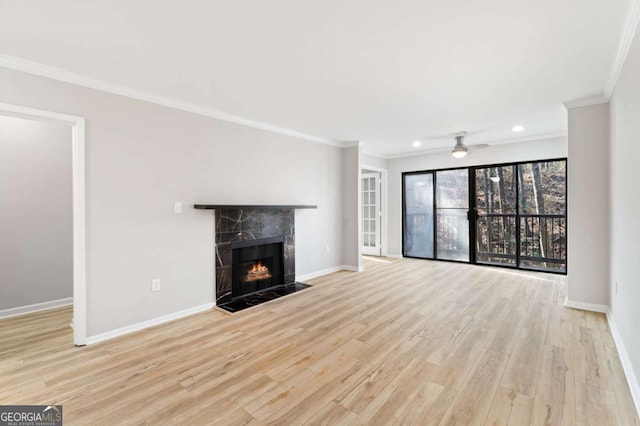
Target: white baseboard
149,323
352,268
586,306
323,272
305,277
36,307
394,255
627,367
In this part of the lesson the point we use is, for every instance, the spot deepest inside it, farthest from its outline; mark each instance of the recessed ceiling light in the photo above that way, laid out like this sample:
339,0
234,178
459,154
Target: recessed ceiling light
417,144
518,128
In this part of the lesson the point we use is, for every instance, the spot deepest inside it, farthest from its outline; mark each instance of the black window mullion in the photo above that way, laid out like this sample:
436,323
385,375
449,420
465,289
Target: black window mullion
518,224
435,216
472,216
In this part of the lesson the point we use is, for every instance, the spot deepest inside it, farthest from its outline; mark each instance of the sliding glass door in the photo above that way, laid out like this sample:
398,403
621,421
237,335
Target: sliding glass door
436,206
418,215
514,214
452,208
496,218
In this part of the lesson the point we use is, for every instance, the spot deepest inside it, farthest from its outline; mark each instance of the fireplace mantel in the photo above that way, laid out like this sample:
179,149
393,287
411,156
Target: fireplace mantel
255,207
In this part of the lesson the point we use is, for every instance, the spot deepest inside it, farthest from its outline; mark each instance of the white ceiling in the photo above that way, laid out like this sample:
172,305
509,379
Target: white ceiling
381,72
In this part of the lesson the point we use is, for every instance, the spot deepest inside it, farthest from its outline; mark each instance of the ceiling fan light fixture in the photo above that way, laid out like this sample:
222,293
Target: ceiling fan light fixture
459,150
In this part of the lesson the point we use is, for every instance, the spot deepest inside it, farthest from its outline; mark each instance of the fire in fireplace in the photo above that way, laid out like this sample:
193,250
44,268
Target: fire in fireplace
256,265
258,272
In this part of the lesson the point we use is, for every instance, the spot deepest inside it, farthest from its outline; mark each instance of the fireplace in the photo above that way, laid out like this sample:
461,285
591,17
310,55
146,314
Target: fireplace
254,253
256,265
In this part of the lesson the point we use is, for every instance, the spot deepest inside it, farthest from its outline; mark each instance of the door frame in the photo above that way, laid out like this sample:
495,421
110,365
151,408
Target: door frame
384,222
377,217
78,145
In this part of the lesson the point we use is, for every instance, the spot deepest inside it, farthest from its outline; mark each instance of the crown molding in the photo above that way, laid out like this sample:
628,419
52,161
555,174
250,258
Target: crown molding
438,150
588,101
350,144
42,70
630,28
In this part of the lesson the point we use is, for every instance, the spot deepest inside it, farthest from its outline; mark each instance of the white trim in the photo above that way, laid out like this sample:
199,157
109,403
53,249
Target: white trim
627,367
586,306
630,28
588,101
352,268
78,144
42,70
36,307
395,256
350,144
384,176
149,323
323,272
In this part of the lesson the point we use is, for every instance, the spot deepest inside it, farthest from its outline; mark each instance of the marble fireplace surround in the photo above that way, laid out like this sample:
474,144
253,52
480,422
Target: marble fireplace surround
250,222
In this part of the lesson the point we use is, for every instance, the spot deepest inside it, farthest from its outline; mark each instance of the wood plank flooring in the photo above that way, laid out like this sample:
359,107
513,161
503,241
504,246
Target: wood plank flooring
405,342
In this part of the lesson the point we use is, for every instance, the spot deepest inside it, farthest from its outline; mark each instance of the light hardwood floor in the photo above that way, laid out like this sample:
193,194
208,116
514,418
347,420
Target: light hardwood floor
405,342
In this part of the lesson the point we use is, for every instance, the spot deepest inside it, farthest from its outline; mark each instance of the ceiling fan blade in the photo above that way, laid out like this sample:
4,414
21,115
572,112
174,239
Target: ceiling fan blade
479,146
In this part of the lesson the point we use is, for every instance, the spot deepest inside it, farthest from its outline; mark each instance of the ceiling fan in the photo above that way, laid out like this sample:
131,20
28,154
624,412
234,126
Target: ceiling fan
460,149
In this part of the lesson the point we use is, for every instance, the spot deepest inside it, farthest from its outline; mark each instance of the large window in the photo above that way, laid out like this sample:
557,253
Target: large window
515,214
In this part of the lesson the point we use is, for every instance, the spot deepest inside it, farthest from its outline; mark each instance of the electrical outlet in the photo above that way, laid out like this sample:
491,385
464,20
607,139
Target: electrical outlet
177,207
155,284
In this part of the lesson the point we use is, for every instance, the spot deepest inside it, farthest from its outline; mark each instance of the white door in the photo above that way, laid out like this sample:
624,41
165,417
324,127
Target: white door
371,214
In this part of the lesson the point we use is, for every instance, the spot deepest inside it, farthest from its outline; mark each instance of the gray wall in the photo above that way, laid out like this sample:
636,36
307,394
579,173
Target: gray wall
523,151
36,243
141,158
373,161
588,201
625,205
351,208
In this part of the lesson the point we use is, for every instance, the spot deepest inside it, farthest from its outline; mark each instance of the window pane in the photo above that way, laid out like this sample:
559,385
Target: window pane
543,243
452,189
496,237
542,187
496,190
453,234
418,220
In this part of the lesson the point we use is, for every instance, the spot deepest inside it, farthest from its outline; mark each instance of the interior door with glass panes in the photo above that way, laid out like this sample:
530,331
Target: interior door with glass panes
371,214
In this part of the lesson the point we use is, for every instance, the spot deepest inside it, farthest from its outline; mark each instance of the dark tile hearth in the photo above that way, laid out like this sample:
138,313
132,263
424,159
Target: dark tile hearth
263,296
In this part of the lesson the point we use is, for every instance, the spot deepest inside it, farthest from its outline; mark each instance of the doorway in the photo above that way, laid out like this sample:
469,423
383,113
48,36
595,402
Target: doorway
77,125
373,220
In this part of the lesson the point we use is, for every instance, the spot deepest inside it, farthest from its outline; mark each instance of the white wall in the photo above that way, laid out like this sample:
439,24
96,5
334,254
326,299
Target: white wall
625,213
141,158
523,151
351,246
588,205
36,259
